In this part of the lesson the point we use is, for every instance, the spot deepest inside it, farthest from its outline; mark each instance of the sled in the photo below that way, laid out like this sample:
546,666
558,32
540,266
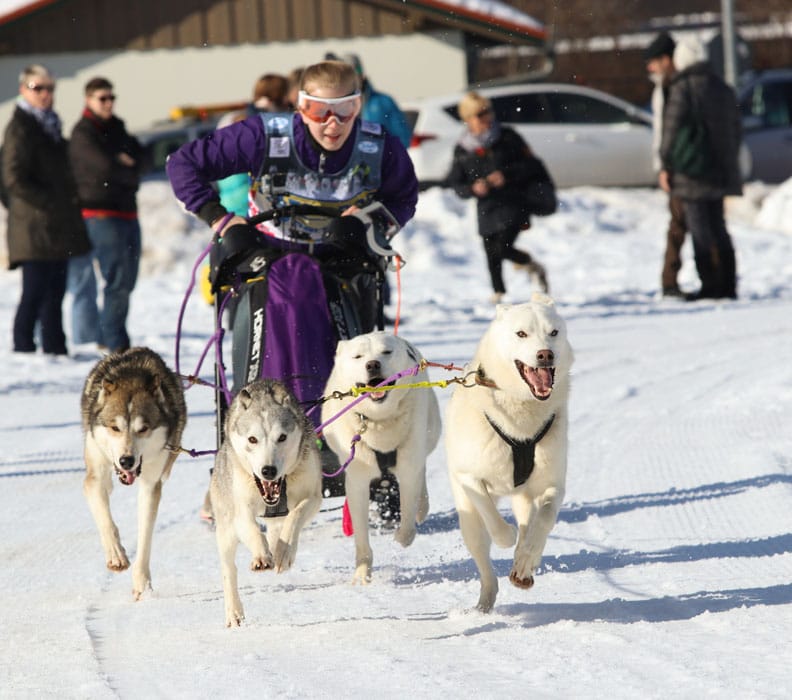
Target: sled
288,306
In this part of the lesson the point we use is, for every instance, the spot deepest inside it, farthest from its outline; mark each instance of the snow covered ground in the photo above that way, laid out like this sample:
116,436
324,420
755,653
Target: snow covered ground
669,573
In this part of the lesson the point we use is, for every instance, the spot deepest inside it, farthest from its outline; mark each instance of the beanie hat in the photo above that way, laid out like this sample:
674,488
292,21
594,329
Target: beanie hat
663,45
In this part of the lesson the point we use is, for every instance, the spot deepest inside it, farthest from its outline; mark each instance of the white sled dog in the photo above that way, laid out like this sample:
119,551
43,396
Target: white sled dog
268,466
507,436
133,415
397,430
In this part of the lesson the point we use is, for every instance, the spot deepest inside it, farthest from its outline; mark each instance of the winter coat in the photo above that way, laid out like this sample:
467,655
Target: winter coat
382,109
505,208
103,182
243,147
696,89
44,219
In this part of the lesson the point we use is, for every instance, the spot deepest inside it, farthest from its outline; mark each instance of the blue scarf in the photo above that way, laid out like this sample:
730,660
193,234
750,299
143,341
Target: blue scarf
48,118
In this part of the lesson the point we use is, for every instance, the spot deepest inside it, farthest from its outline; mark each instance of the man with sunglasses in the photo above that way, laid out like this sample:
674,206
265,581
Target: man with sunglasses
106,164
45,227
323,156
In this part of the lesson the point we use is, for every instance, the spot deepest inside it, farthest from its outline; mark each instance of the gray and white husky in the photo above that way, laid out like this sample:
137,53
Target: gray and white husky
133,416
268,466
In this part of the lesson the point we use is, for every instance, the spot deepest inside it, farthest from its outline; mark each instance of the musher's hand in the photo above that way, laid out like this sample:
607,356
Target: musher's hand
350,210
224,223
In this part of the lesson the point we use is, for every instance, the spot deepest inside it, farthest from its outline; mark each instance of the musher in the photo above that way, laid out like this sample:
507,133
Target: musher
325,156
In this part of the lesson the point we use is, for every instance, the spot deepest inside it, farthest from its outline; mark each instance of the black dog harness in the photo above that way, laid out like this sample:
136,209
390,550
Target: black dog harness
523,451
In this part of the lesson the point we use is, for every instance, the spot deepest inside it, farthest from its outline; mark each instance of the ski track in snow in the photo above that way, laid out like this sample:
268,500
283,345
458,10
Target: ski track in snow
652,533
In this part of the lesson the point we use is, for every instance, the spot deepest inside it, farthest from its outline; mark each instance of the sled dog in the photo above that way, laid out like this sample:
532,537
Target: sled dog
397,430
507,436
268,466
133,415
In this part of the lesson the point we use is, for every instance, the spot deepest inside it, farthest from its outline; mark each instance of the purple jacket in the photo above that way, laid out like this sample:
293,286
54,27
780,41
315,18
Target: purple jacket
242,147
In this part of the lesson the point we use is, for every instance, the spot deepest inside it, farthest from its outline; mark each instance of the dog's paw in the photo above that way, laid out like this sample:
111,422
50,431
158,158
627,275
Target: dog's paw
283,557
505,536
524,582
117,559
261,563
234,617
362,575
405,534
486,599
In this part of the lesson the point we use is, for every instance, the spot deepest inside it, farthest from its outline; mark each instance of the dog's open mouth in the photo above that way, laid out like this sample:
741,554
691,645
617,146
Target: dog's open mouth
127,476
539,379
376,396
271,490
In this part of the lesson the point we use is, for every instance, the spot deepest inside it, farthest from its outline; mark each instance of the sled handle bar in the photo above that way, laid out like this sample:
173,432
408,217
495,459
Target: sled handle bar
292,210
379,244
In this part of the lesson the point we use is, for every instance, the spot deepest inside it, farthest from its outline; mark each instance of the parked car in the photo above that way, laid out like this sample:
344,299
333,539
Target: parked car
766,107
584,136
163,138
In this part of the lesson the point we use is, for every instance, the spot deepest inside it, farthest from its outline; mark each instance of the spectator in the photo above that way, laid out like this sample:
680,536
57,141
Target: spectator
294,78
271,94
45,228
703,175
493,164
106,164
660,67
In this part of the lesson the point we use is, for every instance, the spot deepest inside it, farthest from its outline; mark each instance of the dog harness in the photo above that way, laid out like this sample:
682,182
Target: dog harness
523,451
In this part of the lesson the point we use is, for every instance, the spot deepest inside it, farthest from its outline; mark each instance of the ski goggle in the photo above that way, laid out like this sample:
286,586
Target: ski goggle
322,109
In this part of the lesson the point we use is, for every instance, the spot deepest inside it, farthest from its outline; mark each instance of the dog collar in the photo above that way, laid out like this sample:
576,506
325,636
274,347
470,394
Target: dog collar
523,451
483,380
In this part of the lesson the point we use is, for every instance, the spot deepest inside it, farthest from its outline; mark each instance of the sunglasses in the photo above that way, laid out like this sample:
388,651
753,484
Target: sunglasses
41,88
322,109
106,98
483,113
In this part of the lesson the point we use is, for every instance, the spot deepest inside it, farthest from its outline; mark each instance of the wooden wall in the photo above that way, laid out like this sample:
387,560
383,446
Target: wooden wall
101,25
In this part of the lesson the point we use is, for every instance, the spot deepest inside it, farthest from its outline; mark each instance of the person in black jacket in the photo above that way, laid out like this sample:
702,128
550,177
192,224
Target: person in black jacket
492,163
45,228
105,160
696,95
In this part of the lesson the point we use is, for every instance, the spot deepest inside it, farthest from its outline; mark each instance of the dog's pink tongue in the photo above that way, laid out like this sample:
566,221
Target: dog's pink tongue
127,478
541,380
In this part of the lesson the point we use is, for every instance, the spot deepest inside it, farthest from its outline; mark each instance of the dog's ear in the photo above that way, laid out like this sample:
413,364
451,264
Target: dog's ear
412,351
245,398
108,387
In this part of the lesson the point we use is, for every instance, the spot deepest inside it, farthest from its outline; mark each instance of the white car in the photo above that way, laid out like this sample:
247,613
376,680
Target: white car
584,136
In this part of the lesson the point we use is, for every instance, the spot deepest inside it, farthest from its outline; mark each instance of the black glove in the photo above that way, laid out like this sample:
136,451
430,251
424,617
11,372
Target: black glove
229,250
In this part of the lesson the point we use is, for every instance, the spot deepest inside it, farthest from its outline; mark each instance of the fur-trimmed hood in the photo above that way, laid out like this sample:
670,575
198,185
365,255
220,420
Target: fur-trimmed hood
688,52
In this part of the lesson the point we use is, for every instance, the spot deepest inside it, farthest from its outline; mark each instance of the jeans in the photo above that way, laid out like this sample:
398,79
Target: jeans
43,288
116,248
712,247
675,239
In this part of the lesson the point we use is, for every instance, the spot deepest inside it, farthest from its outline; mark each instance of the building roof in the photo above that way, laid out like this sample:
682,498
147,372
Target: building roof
490,19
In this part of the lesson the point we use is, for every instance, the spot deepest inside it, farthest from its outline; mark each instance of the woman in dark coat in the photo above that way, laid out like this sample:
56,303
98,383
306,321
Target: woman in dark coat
45,227
697,94
492,163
